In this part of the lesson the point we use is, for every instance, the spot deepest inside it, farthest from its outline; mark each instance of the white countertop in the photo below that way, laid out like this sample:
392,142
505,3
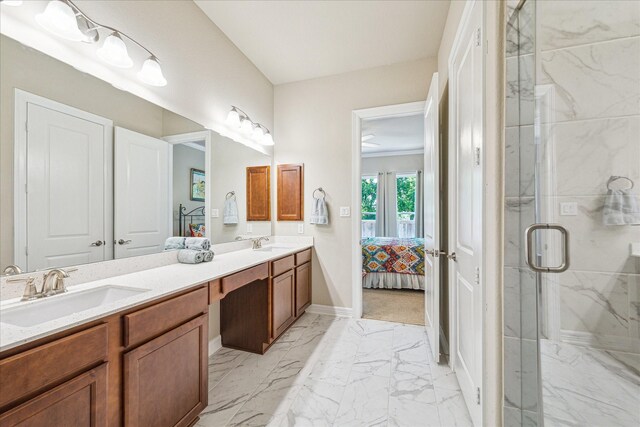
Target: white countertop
161,282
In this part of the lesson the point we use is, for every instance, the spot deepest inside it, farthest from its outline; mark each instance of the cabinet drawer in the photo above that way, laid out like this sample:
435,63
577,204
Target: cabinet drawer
152,321
237,280
35,369
281,265
302,257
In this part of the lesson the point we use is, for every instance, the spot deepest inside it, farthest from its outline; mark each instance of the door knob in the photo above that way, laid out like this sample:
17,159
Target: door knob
97,243
435,252
124,242
452,256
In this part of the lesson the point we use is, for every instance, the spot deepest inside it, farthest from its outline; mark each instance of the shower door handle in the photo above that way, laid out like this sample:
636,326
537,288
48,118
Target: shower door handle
530,254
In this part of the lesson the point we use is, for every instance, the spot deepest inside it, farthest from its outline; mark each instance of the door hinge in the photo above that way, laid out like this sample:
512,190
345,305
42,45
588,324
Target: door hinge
478,395
478,37
477,156
477,278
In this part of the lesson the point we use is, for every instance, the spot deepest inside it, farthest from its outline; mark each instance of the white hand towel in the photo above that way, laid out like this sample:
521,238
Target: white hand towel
230,212
319,212
621,208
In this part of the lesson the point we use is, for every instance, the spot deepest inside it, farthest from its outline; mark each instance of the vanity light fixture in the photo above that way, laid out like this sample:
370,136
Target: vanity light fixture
64,19
238,120
114,52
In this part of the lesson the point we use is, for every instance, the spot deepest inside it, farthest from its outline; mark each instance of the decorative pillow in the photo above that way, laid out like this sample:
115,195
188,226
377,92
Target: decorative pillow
197,230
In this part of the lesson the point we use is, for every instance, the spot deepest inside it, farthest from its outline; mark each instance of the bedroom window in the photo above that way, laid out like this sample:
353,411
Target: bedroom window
369,205
406,205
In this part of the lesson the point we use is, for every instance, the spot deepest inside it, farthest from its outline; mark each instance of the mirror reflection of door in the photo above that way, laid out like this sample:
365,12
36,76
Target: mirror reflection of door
66,185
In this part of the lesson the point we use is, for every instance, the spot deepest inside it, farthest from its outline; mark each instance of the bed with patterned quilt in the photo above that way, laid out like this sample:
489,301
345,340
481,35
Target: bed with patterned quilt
393,263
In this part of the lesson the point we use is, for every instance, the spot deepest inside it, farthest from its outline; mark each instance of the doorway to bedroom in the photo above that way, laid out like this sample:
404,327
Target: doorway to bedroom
392,218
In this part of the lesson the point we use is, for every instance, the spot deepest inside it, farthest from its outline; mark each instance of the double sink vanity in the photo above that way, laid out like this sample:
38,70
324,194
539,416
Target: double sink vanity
133,349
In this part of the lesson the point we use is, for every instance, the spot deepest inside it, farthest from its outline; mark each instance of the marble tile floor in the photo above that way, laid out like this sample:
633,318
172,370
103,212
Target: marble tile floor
335,371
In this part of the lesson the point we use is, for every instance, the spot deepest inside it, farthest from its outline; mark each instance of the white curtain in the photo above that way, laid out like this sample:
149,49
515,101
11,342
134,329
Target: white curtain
391,216
380,205
419,219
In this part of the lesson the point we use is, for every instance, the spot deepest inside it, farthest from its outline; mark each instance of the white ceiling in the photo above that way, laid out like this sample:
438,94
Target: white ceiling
394,134
299,40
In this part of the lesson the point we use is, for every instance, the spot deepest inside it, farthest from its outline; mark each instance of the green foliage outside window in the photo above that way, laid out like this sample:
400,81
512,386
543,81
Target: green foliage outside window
406,189
369,196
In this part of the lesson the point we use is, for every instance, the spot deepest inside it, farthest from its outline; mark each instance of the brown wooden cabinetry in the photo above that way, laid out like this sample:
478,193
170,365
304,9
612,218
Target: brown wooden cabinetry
165,380
81,401
303,288
290,192
283,306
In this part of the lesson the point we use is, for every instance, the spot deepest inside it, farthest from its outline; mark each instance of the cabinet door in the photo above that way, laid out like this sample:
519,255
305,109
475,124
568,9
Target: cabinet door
283,299
259,193
290,192
81,401
303,288
165,380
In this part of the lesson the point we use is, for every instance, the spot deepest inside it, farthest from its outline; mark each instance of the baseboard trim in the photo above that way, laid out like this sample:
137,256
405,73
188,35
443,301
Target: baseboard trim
330,310
215,344
606,342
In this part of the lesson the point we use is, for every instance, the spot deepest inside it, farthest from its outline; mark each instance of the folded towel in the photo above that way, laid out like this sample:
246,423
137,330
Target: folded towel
621,208
186,256
208,256
319,212
174,243
230,212
197,243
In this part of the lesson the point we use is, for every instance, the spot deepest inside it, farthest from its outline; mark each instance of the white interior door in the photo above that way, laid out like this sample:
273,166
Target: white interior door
65,172
465,207
432,218
141,204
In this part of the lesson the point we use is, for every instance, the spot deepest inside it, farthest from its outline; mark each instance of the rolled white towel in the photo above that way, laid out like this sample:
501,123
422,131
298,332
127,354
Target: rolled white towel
208,256
186,256
174,243
197,243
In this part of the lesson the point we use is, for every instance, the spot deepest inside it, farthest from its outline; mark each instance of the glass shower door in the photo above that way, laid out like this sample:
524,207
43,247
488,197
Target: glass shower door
580,161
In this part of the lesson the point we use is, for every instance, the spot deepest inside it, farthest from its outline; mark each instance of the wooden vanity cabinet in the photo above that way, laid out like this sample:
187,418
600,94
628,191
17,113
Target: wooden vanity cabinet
303,288
283,311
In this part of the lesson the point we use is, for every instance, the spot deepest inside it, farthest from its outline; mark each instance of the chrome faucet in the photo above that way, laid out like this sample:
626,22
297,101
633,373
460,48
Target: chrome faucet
57,275
12,270
257,243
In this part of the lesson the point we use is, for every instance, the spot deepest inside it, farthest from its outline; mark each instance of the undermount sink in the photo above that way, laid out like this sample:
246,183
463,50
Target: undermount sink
271,248
55,307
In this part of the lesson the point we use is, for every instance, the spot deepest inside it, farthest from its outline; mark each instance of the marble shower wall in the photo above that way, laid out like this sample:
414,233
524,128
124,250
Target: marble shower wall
588,104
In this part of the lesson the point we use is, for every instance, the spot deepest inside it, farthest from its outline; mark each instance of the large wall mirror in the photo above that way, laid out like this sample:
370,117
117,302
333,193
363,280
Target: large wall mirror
92,173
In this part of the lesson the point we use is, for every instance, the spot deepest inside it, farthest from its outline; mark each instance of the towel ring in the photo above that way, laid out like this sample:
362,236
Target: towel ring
614,178
230,194
321,191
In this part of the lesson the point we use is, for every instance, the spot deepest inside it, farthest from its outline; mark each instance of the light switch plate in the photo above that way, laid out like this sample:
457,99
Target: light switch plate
215,213
568,209
345,211
249,228
300,228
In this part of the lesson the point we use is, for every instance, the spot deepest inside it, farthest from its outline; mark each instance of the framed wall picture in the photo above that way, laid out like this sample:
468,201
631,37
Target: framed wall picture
197,185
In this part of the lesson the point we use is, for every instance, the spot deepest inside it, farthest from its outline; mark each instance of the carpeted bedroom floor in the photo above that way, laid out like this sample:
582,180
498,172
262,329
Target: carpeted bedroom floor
394,305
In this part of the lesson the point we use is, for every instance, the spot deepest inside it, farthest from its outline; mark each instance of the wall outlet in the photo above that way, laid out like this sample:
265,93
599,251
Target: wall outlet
568,209
249,228
300,228
215,213
345,211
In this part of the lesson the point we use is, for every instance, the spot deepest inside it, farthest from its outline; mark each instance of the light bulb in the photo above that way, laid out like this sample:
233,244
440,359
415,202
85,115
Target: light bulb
151,73
246,126
267,139
257,134
233,118
114,52
59,19
12,2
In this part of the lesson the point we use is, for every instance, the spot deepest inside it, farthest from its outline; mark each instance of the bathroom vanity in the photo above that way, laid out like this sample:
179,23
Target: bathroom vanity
142,360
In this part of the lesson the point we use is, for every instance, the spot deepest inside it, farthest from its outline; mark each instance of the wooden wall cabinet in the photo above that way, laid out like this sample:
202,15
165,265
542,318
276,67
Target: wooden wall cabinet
290,192
258,193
